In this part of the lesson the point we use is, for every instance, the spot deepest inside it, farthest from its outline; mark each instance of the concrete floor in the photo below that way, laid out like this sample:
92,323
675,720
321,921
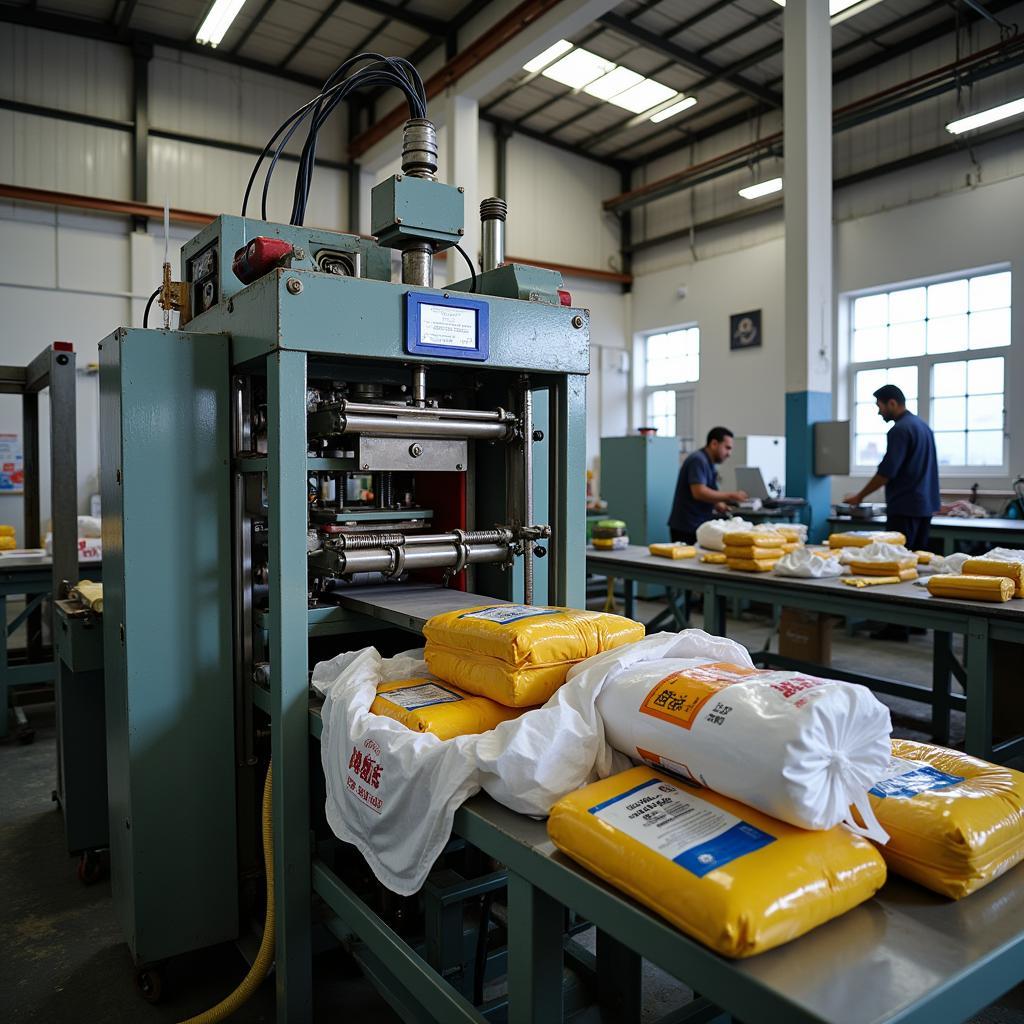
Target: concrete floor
62,958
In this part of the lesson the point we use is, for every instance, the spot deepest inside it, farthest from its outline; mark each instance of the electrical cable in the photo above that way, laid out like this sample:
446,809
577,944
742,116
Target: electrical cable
472,269
379,71
149,306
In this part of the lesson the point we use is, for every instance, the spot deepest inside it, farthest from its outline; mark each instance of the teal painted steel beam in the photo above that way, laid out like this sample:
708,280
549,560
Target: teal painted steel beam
535,961
567,414
289,685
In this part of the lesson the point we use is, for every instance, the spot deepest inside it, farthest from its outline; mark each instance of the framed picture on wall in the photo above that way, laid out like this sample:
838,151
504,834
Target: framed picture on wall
745,330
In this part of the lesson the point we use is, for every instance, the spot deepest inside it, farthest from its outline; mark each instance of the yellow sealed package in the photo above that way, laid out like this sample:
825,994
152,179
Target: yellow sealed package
753,538
725,874
7,543
714,557
955,822
924,557
863,539
425,705
7,530
893,568
994,567
748,552
873,581
519,654
751,564
674,551
972,588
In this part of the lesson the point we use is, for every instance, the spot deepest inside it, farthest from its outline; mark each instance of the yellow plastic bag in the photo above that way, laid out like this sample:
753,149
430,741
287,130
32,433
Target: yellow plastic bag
7,543
972,588
753,538
894,568
877,581
751,564
425,705
714,557
6,530
519,654
862,540
749,551
924,557
955,822
792,545
726,874
992,567
674,551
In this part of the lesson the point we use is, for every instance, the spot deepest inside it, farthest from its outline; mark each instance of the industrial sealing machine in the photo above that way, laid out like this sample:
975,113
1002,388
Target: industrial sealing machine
315,438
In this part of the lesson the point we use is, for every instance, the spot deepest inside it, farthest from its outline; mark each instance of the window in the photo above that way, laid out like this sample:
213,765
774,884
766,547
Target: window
671,358
923,338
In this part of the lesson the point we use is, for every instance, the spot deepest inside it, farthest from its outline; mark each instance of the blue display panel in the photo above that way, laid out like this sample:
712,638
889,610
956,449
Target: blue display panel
440,325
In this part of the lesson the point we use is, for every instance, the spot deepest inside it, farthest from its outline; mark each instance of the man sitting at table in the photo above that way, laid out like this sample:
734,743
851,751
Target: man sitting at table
697,497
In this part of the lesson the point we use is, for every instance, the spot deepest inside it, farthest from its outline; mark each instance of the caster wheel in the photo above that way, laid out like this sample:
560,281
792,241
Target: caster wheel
150,983
90,867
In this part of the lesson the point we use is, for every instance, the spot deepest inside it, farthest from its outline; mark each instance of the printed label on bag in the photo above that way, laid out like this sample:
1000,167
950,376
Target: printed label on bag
793,686
422,695
908,778
679,697
660,761
691,832
503,614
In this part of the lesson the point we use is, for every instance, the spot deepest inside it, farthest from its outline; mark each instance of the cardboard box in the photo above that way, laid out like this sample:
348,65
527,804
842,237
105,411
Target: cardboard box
805,635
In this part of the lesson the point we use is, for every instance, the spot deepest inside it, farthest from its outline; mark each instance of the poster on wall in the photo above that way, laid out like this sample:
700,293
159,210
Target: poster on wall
12,468
745,330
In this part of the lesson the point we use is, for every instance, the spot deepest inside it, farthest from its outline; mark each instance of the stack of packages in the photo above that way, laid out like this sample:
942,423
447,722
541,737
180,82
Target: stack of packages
7,538
863,539
879,562
673,550
999,576
754,550
798,774
519,655
610,535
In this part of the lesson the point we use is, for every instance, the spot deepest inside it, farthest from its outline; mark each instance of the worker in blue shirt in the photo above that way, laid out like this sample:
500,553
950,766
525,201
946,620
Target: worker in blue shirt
909,470
910,473
697,497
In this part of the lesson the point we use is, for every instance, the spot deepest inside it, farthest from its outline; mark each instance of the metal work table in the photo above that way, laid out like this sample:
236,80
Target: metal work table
31,577
408,606
905,956
952,529
901,604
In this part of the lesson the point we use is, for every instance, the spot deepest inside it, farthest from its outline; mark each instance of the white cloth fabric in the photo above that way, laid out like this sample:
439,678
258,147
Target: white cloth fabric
398,810
800,748
802,563
877,551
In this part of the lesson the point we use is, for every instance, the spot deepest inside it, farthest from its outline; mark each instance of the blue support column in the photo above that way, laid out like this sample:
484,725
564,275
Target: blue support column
803,410
289,685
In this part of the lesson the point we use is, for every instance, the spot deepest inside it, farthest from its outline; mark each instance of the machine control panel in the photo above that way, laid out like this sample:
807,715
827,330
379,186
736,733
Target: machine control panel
202,280
446,326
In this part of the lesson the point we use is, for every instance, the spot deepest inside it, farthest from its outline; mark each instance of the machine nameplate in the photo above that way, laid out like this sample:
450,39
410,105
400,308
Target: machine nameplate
439,325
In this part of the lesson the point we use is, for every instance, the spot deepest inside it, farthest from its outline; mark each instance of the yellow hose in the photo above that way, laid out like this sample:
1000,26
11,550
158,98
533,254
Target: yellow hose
609,601
265,956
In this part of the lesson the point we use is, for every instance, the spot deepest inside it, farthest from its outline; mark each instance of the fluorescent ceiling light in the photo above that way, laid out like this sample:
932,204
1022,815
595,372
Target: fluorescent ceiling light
553,52
840,10
762,188
218,21
615,82
646,94
579,68
675,108
984,117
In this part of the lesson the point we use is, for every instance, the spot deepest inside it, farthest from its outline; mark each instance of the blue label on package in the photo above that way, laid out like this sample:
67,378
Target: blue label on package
740,839
920,780
446,326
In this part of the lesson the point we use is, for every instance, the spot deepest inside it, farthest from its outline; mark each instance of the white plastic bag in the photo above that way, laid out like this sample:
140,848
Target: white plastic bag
711,535
877,551
800,748
805,565
398,810
1005,555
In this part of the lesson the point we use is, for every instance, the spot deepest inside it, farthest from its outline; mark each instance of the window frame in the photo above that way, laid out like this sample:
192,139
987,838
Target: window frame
924,364
646,389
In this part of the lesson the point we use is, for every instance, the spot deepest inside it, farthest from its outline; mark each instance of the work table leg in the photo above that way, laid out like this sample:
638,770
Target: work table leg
535,957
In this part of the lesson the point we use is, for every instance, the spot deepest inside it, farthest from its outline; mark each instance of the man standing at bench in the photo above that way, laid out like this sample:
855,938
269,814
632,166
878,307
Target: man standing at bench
910,473
697,497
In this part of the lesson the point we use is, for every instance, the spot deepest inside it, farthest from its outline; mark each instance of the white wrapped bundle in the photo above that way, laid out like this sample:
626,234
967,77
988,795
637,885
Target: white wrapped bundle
711,535
800,748
878,551
805,564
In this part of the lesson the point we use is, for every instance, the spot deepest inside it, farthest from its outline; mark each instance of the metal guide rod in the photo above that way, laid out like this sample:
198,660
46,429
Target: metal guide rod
419,160
493,212
383,409
527,488
421,426
433,556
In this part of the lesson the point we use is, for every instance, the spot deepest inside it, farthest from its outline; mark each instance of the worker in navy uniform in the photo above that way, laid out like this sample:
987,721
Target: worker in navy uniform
697,497
910,473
